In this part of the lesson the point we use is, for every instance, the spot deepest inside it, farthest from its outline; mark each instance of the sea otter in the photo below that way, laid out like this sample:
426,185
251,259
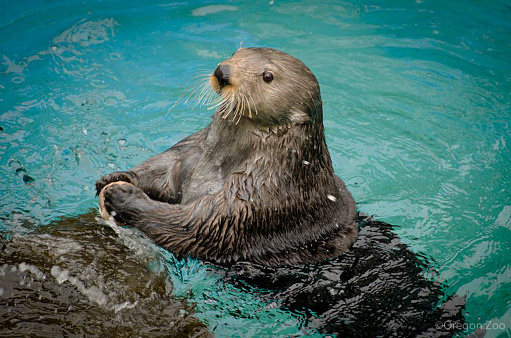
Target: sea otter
257,184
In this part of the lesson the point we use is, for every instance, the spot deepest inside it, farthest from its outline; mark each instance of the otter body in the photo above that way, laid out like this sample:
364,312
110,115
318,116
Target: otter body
256,185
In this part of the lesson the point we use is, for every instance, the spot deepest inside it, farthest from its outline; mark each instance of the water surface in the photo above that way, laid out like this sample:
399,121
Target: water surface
416,103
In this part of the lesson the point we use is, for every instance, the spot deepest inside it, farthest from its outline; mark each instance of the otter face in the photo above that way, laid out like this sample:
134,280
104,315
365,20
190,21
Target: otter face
270,87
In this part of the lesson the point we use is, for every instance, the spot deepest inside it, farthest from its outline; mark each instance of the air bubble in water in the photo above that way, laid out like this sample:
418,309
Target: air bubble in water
115,56
17,79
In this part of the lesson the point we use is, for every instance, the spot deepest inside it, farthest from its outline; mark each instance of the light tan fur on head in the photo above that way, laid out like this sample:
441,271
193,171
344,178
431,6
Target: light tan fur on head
291,97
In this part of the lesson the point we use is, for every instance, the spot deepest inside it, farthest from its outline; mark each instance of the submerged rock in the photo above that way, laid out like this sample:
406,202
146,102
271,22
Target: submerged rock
76,277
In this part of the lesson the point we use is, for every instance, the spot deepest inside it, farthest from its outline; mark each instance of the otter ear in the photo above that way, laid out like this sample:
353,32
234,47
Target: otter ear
299,117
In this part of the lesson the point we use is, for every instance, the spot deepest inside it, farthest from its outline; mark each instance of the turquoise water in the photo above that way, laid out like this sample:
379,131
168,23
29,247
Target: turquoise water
417,111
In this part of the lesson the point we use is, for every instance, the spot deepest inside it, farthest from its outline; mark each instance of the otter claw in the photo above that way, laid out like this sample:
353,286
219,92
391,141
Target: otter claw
106,207
123,201
119,176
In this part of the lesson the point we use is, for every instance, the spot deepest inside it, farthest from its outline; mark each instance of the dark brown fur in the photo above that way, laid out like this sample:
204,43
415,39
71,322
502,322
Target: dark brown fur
256,185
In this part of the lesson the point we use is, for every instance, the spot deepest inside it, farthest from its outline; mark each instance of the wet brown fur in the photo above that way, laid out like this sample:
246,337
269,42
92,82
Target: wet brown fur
257,184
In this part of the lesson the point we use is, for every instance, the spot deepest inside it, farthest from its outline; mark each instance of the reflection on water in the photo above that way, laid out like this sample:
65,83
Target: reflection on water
377,288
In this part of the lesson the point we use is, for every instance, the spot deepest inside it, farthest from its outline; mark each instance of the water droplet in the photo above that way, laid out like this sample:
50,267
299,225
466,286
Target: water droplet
110,165
306,162
122,142
332,198
18,79
356,181
115,56
84,130
97,83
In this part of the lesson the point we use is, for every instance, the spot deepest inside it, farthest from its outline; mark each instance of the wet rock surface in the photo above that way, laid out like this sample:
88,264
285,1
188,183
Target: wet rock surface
76,277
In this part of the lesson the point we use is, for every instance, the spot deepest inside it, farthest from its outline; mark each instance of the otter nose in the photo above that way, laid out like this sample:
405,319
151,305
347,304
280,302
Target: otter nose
222,75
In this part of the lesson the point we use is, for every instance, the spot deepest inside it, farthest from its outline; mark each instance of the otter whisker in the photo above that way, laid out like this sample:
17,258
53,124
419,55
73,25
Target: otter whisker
217,102
230,108
255,106
243,106
249,106
211,95
197,93
226,106
246,104
193,97
204,94
235,108
199,77
198,83
240,108
183,98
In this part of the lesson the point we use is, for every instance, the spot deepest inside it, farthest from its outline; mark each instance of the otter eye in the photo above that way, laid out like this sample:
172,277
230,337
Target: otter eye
267,77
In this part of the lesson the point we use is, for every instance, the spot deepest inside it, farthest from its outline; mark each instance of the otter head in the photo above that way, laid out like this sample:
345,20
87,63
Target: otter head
267,86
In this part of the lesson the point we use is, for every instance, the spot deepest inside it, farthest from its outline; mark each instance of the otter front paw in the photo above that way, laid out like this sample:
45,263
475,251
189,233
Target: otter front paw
125,202
118,176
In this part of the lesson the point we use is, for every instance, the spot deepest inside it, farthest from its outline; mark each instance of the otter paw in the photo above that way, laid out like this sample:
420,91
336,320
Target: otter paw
125,201
118,176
